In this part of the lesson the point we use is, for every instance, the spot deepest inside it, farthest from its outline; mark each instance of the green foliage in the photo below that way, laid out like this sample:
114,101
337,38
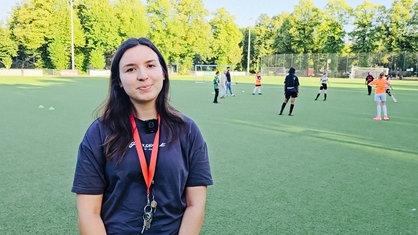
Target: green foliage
59,59
192,33
8,47
131,15
226,39
96,59
365,33
304,21
30,26
99,23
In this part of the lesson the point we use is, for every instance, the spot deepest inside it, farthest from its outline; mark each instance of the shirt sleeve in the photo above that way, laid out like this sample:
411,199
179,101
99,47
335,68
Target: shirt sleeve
89,176
200,173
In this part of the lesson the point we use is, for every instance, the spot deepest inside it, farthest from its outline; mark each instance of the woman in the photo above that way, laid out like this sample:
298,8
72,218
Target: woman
380,96
142,166
323,87
257,83
291,90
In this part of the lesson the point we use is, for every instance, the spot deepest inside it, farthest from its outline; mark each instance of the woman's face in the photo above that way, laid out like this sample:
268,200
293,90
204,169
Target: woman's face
141,75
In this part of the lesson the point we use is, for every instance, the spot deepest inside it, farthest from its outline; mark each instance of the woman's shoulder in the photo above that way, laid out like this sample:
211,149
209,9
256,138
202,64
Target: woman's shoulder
97,127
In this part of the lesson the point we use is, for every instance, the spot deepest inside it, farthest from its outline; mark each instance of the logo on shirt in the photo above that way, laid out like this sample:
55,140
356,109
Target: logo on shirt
147,147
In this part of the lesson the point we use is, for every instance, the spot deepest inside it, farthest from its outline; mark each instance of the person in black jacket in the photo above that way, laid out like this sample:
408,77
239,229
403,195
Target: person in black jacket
291,90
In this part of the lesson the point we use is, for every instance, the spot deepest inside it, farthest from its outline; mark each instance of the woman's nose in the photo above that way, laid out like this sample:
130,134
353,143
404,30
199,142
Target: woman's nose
142,75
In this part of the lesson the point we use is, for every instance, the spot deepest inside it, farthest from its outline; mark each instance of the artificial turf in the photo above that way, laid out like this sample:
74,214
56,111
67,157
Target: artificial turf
330,169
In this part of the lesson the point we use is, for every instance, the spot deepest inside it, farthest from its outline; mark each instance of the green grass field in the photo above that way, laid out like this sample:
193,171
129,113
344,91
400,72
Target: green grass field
330,169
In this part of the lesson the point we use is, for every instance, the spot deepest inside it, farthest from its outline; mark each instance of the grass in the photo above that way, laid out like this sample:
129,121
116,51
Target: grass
330,169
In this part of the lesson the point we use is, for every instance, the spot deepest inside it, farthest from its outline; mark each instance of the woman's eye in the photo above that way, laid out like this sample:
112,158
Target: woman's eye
129,70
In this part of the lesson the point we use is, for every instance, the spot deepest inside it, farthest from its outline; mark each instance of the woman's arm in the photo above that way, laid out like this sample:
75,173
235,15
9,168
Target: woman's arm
89,219
195,211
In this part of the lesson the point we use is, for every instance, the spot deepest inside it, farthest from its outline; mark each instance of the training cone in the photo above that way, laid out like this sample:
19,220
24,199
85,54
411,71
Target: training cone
41,106
51,108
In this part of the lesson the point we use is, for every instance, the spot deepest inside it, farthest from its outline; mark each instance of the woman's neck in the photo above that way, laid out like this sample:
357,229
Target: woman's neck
145,112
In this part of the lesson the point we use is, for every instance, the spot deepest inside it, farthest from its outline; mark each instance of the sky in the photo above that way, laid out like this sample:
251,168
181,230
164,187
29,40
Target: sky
244,11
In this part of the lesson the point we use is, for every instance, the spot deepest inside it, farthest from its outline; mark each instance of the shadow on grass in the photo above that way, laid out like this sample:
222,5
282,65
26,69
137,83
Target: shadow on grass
330,136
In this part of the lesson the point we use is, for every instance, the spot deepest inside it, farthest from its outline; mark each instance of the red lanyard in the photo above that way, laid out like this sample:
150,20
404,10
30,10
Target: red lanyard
147,173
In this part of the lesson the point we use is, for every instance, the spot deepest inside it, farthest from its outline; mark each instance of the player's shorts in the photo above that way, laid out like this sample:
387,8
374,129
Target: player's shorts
380,97
292,94
323,86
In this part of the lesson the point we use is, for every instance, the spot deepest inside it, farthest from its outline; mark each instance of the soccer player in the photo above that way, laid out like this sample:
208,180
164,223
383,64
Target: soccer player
380,96
369,79
388,90
324,86
257,83
291,90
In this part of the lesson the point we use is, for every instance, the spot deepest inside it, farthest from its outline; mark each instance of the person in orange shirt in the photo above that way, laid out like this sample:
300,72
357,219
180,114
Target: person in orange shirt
380,96
257,83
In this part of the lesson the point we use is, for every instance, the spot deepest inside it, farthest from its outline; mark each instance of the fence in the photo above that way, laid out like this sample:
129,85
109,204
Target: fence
337,65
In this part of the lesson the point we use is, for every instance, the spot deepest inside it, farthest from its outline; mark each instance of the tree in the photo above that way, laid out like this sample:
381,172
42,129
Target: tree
29,26
8,48
131,15
100,27
226,38
161,30
364,34
331,32
193,34
283,40
263,40
400,17
59,41
304,22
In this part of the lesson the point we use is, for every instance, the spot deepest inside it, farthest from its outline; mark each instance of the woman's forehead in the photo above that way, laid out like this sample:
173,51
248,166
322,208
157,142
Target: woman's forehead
138,53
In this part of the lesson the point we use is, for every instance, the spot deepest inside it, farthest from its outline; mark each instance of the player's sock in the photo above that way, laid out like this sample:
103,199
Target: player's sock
325,96
379,111
291,109
317,96
281,110
385,110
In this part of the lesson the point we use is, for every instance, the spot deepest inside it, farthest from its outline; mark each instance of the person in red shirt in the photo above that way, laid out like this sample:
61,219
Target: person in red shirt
380,96
369,79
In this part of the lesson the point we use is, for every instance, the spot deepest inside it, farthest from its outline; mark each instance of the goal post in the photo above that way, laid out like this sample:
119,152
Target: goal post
361,72
206,72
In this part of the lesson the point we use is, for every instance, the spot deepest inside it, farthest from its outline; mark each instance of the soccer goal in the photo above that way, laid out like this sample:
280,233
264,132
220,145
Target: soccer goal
361,72
206,72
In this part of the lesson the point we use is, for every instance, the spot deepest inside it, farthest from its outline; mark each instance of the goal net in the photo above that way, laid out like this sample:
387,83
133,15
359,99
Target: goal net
361,72
206,72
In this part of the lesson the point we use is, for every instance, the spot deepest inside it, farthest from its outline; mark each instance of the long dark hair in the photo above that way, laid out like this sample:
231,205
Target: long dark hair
117,107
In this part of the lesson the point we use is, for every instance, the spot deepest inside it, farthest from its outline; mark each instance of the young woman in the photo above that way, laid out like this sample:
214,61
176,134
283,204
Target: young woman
389,90
142,166
291,90
380,96
257,83
323,87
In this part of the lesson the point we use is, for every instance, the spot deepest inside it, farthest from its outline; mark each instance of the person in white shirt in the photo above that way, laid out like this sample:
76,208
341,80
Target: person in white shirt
324,86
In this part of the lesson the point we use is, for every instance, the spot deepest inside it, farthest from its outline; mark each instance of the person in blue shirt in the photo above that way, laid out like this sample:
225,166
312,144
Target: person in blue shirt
142,166
291,90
